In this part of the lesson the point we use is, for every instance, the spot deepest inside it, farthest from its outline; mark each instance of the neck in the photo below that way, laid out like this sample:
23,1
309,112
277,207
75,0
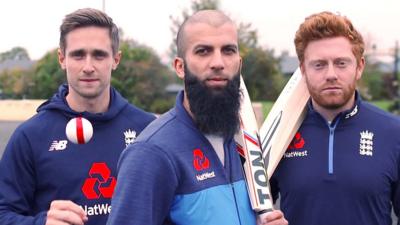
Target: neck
92,105
330,114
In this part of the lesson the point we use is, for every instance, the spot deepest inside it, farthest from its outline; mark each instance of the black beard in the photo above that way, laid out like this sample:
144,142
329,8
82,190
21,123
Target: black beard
216,111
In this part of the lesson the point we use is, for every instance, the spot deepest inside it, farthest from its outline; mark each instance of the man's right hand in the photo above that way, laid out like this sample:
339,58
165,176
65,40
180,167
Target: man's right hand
63,212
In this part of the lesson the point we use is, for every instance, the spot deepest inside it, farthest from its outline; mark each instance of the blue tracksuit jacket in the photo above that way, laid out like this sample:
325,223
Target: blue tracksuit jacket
172,175
40,164
342,173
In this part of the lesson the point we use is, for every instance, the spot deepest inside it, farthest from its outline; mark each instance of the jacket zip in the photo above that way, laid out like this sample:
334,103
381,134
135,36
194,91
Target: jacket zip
231,182
330,146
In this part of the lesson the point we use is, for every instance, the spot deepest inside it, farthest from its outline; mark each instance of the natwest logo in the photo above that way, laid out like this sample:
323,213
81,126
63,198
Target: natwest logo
100,182
297,142
296,147
200,161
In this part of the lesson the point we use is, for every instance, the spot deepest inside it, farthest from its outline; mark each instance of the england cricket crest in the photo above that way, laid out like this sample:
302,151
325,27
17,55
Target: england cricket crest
366,143
130,137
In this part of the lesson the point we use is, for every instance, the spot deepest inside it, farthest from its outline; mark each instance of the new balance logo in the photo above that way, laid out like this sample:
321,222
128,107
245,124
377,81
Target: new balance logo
58,145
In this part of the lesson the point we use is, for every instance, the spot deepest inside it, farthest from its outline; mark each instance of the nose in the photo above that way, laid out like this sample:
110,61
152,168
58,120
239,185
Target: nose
217,61
331,74
88,67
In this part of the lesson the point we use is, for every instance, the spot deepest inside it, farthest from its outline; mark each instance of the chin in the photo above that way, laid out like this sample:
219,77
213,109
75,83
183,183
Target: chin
334,104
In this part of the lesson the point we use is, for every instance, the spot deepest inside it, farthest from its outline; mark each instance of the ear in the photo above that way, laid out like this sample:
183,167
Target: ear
302,69
61,59
360,68
117,60
179,66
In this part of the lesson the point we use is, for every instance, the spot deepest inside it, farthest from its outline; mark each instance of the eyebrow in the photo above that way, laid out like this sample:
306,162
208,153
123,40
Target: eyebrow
231,46
83,52
209,46
77,52
100,52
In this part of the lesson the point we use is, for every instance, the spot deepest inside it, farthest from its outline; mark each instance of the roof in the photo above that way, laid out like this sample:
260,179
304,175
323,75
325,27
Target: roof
23,64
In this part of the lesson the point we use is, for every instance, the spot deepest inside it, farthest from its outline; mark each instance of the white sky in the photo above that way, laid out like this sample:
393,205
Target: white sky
34,24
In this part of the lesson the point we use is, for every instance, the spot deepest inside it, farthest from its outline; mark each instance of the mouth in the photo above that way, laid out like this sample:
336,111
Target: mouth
89,80
216,81
332,89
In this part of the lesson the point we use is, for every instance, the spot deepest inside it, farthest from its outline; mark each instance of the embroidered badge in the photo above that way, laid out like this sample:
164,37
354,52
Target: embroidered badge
366,143
130,137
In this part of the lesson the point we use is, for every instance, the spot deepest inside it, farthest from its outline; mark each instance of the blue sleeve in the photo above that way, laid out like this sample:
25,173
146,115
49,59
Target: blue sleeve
145,188
17,182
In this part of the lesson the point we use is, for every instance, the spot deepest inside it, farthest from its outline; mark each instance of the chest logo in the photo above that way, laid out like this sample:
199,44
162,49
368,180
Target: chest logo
58,145
130,137
296,147
200,161
100,183
297,142
366,143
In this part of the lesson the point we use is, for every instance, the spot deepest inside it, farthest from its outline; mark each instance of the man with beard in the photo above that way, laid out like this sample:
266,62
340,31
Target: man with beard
184,168
343,166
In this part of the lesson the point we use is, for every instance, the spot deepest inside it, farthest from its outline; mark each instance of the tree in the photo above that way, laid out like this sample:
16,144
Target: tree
142,78
47,76
14,83
260,70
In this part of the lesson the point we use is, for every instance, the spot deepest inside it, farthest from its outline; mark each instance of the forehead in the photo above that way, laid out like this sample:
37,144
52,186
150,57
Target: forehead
206,34
91,37
327,48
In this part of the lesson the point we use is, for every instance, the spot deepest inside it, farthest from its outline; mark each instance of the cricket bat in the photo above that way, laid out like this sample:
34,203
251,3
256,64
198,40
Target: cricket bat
283,121
248,145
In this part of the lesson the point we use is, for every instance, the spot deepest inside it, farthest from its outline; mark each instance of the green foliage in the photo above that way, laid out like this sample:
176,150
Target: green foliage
260,69
142,78
14,83
373,84
382,104
47,76
266,107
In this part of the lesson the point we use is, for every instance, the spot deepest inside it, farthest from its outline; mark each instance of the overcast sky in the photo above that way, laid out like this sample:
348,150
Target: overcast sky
34,24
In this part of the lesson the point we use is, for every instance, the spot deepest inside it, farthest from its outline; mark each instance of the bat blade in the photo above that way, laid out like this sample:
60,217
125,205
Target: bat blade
283,121
248,146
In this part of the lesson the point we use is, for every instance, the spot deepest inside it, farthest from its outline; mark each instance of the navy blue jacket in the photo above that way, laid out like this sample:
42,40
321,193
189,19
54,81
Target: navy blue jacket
346,172
172,175
40,164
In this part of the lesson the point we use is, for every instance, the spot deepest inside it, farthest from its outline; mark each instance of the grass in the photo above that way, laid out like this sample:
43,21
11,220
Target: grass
383,104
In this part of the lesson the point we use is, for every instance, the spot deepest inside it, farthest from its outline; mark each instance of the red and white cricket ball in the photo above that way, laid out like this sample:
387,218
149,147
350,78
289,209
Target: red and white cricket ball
79,130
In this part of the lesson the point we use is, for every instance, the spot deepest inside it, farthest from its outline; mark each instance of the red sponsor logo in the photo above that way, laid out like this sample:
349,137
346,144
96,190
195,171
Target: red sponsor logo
200,161
297,142
100,182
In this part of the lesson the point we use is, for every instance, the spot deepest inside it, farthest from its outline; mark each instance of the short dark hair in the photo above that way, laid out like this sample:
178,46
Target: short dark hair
88,17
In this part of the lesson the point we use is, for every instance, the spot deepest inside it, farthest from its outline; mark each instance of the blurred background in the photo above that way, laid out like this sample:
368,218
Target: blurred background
29,70
29,67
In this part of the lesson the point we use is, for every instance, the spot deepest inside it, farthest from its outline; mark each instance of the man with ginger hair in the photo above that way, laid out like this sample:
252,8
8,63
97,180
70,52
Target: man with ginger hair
343,165
184,168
